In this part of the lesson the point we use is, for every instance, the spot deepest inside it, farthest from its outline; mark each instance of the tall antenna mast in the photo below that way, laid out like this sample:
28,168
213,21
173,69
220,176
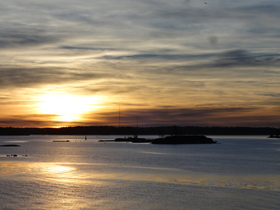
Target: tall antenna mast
119,115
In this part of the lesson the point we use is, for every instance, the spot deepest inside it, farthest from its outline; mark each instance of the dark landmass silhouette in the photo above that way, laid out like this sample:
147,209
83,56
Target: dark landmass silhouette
10,145
126,130
172,139
274,136
61,141
129,139
134,139
184,140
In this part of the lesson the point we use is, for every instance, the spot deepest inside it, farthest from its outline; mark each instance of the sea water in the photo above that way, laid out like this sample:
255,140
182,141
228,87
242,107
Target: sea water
240,172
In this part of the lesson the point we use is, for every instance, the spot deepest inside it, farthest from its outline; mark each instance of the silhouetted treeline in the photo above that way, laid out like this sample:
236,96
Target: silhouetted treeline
162,130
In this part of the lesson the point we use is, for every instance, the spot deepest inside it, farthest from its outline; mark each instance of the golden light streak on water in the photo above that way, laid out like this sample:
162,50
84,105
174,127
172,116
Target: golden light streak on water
67,173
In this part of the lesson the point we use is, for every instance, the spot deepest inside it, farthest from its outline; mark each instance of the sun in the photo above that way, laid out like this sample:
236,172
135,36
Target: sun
67,107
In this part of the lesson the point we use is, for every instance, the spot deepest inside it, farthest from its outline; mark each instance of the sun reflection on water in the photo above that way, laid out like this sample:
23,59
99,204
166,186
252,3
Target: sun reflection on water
61,173
59,169
69,174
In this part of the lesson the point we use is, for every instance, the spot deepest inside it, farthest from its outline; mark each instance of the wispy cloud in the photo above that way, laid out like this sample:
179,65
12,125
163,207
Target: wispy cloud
238,116
32,77
152,53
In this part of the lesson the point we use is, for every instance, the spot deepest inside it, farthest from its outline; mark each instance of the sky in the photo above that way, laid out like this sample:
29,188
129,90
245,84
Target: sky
148,62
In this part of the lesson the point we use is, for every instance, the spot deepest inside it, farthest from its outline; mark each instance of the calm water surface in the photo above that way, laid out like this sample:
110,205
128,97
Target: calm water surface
242,172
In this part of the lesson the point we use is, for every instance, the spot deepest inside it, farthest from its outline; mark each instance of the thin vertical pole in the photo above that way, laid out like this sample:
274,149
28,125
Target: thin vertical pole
137,128
119,115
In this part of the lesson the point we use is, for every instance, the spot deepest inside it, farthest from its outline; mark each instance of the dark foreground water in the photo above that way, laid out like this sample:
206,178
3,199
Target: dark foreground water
242,172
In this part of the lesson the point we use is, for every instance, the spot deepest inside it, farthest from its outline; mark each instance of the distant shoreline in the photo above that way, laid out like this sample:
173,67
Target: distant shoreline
160,131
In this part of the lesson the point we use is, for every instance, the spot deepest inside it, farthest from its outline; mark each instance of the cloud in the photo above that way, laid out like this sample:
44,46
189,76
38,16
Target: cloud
87,48
243,58
204,116
27,121
231,58
158,57
150,53
236,116
17,39
32,77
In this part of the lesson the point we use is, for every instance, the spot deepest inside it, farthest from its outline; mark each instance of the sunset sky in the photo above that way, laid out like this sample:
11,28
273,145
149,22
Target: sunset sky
180,62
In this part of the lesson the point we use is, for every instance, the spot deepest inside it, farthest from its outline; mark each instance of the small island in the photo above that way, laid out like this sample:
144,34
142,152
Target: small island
133,139
195,139
61,141
182,139
10,145
274,136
